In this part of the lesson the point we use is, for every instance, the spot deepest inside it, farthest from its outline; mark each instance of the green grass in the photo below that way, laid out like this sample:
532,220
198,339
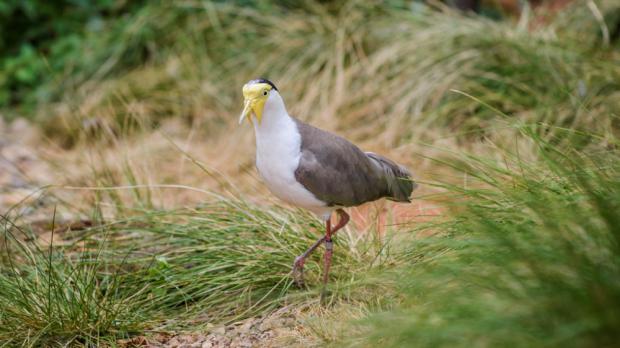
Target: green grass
529,256
51,298
170,270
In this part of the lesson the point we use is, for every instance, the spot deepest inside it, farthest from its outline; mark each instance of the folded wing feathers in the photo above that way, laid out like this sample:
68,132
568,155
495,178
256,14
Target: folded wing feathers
398,179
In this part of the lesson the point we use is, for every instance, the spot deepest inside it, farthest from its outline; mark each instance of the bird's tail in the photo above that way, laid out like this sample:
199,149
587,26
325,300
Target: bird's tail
400,185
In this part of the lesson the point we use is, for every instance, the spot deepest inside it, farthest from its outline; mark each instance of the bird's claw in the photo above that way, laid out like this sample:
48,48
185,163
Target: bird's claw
298,271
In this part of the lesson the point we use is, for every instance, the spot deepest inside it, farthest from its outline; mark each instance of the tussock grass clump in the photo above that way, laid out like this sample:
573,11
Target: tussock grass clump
529,256
229,257
51,298
219,263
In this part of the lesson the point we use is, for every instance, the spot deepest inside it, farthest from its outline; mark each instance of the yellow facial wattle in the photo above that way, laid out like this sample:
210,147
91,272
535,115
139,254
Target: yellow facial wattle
255,95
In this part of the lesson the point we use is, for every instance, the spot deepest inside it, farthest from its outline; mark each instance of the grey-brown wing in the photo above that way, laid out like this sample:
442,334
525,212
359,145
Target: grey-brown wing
336,171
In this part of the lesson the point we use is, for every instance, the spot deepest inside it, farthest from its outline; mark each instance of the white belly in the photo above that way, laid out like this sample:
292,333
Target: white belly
277,157
280,180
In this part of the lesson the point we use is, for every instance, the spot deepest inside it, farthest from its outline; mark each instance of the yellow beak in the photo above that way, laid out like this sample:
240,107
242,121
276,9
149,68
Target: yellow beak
254,101
247,109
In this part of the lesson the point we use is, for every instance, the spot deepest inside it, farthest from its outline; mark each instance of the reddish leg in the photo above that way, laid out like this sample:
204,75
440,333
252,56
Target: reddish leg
329,245
298,266
327,257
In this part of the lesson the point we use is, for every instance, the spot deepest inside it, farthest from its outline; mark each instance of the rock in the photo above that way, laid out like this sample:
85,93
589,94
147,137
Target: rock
173,342
265,336
266,325
224,342
220,330
19,124
17,154
185,339
241,342
247,326
138,341
271,324
207,344
289,322
22,130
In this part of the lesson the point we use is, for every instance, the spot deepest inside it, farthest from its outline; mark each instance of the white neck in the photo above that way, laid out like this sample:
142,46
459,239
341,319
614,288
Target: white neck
275,118
276,134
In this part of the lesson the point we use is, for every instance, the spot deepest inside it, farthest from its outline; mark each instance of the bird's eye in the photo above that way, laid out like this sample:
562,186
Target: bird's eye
264,92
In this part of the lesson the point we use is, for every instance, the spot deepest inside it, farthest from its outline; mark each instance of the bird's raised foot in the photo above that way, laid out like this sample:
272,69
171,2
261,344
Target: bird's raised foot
298,271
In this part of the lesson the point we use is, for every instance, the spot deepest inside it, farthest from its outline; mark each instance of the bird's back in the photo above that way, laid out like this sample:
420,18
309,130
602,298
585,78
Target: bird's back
340,174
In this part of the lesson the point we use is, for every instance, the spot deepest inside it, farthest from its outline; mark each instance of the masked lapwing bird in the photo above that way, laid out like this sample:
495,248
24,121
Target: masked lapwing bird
314,169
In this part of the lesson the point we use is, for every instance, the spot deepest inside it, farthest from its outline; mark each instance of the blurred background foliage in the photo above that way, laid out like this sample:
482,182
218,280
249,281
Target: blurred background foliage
50,49
83,68
40,40
506,110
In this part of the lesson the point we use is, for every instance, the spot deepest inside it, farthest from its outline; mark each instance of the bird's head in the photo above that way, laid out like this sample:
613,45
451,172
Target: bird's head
256,94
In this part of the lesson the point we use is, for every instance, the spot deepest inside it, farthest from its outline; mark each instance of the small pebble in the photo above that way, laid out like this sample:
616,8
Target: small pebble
220,330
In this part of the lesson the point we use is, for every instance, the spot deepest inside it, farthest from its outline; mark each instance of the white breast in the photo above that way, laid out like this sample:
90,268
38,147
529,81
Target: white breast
278,144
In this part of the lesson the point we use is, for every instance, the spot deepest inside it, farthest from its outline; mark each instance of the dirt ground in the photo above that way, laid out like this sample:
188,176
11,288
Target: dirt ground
276,331
22,170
